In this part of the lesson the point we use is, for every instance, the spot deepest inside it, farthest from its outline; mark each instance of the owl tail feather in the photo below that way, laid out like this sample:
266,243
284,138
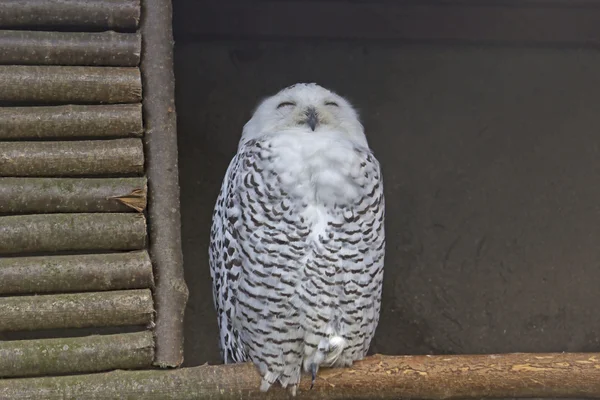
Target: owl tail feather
268,379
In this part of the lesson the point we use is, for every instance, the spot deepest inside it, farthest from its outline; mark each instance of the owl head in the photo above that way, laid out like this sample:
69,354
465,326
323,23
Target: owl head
305,108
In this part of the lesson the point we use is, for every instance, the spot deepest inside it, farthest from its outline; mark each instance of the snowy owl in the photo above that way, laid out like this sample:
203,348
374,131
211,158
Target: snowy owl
297,242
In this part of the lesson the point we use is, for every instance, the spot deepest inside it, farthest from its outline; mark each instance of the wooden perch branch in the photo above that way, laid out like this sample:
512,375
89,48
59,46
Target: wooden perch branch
163,202
70,48
39,233
75,273
98,14
57,84
71,121
377,377
50,195
72,158
76,310
76,355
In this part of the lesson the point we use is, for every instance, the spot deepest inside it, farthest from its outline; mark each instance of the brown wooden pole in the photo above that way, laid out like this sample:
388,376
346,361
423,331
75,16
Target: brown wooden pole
58,84
21,358
70,48
163,196
76,310
44,233
75,273
82,14
50,195
565,375
72,158
71,121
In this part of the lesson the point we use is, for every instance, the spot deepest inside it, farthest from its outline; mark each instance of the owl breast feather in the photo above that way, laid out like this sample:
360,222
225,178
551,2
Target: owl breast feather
321,169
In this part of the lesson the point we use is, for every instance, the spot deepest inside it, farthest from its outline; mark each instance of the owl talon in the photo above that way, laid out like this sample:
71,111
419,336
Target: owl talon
313,371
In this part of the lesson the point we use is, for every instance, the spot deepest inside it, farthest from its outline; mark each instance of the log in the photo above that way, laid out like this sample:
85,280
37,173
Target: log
72,158
378,377
58,84
71,121
42,233
163,202
76,310
22,358
75,273
70,48
122,15
51,195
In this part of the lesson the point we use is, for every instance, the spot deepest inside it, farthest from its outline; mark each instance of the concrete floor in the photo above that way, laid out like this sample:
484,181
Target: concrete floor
491,168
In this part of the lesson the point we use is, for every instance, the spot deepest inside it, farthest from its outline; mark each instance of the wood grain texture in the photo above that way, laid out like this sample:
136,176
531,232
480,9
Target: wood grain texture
60,85
72,158
378,377
76,310
22,358
71,121
70,48
68,195
44,233
121,15
163,179
75,273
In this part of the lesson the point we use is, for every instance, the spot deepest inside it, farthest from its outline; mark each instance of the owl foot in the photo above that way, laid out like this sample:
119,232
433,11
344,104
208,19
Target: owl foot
313,371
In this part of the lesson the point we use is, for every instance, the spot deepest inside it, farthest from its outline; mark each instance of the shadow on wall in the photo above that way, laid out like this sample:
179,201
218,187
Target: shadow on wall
489,158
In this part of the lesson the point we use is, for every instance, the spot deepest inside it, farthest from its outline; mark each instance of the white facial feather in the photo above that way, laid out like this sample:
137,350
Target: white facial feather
286,111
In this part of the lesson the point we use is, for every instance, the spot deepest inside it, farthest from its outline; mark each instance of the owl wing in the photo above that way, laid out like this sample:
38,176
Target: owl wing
225,265
258,240
362,257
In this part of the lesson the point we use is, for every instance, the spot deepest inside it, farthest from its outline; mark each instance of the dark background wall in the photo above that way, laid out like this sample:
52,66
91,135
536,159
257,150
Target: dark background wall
490,160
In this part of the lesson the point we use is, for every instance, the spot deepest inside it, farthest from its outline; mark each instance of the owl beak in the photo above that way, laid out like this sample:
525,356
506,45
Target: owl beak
312,118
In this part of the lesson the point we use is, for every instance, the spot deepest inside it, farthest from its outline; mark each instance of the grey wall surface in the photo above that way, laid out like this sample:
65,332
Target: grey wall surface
491,168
